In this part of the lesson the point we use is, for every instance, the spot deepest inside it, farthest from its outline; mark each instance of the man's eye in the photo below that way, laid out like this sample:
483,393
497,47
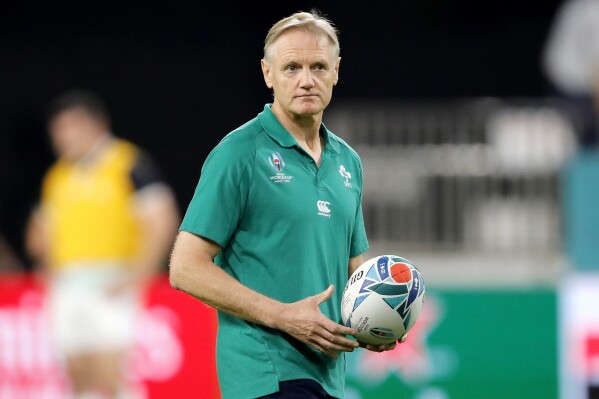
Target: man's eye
319,67
291,68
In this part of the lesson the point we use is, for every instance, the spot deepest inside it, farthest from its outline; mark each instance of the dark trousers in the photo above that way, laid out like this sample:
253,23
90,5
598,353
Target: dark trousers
299,389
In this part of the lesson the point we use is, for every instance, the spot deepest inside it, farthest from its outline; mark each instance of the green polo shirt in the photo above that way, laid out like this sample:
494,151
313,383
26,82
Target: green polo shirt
287,229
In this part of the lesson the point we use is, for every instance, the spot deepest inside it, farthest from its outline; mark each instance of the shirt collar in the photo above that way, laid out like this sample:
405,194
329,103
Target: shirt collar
277,132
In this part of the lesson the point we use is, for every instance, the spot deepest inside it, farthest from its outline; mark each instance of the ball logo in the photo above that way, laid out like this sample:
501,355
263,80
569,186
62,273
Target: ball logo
382,332
323,208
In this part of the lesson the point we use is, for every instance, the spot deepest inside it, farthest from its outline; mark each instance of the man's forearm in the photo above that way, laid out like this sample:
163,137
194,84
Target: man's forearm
354,263
196,274
158,218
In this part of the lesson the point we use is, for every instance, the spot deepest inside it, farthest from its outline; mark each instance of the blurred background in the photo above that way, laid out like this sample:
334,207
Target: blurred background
479,159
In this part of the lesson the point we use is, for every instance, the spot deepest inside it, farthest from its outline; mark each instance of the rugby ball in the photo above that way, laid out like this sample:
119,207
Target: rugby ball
382,299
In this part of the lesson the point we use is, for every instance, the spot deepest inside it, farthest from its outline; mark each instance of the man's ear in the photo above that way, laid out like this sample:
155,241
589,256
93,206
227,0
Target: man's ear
266,72
337,71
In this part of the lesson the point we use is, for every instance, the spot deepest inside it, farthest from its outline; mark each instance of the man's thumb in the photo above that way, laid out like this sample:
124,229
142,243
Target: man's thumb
326,294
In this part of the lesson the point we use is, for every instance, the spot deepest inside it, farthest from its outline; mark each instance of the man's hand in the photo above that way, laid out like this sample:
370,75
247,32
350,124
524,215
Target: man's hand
383,348
304,320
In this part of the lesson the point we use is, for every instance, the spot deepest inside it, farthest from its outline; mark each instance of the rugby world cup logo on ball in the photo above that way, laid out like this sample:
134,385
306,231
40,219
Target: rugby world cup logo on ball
382,299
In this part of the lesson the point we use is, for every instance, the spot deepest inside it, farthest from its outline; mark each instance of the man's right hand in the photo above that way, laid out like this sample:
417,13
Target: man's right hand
192,270
304,321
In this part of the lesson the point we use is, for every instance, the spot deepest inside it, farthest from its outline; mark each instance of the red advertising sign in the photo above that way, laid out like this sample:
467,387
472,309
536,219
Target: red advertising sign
174,354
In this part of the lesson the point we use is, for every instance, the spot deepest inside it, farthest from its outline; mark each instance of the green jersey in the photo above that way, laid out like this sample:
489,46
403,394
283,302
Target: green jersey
287,229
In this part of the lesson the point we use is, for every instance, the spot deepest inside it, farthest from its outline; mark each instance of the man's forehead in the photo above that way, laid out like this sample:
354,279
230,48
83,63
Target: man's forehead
302,42
76,114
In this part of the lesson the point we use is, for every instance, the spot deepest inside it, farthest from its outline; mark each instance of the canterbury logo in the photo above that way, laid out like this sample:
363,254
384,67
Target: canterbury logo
323,208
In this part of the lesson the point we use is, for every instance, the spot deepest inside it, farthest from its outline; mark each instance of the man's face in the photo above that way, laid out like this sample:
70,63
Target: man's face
302,70
74,132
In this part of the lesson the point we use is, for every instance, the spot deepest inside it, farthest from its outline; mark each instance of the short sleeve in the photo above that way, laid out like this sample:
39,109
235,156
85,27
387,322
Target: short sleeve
145,171
220,198
359,242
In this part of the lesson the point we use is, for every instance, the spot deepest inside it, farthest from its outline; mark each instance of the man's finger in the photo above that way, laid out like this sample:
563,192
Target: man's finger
341,343
325,295
337,329
378,348
341,331
329,348
326,348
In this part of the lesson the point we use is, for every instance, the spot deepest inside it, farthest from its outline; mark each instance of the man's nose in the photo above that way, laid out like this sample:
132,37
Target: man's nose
307,79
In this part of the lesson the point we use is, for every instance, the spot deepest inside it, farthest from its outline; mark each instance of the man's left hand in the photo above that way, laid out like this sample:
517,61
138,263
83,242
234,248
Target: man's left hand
383,348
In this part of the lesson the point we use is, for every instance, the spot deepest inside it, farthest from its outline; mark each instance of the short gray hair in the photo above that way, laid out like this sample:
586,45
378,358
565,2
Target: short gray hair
311,22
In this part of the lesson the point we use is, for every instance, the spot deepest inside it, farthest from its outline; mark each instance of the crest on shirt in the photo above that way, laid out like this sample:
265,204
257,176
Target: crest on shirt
346,175
276,161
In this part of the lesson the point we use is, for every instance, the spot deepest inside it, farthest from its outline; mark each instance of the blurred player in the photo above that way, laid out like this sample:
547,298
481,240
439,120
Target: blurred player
103,227
278,208
571,62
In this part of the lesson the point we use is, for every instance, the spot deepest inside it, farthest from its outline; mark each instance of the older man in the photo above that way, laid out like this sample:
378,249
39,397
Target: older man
275,225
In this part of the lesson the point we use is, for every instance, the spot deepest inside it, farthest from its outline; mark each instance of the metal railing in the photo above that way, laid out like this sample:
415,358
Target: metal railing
477,176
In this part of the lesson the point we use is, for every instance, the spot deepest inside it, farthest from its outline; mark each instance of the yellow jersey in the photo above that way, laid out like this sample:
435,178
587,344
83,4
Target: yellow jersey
89,208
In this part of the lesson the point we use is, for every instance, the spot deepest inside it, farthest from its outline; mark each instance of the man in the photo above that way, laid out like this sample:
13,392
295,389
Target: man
571,63
278,208
103,227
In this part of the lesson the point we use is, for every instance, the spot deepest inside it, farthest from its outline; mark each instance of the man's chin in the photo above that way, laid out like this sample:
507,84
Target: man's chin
307,110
